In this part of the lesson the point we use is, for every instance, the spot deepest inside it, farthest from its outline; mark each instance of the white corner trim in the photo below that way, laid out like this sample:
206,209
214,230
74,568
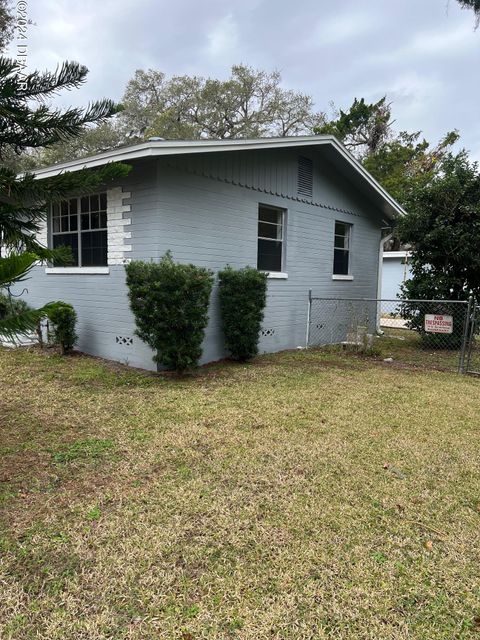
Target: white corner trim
337,277
397,254
117,224
277,275
93,271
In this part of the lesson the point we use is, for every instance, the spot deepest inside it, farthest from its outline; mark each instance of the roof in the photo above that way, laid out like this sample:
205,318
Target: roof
333,149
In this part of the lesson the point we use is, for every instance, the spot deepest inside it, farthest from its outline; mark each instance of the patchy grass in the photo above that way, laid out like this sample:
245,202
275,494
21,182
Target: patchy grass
406,347
306,495
89,449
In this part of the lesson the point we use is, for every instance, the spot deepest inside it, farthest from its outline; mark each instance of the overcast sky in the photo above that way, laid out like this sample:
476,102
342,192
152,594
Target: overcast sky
424,54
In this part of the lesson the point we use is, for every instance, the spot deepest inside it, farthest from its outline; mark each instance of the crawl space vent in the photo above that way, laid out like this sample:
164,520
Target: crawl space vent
305,177
126,341
266,333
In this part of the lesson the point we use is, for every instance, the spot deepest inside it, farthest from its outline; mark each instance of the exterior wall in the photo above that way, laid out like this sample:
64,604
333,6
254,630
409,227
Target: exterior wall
204,208
394,274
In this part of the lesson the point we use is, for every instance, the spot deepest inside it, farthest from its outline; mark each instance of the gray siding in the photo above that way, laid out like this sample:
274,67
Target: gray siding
204,209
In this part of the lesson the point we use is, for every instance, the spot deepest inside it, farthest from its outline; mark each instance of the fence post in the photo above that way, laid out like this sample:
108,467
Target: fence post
472,336
461,366
309,311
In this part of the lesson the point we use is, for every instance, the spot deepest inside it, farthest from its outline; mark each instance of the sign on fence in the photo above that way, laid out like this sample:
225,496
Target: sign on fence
435,323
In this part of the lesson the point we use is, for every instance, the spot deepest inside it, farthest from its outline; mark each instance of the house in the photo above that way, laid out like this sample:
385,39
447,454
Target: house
301,208
395,270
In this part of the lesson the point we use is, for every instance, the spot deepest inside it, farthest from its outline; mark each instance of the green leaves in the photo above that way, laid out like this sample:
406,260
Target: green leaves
170,305
443,227
25,124
23,323
16,267
243,295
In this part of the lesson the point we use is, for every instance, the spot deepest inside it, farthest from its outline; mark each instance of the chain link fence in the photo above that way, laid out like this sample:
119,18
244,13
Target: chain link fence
435,333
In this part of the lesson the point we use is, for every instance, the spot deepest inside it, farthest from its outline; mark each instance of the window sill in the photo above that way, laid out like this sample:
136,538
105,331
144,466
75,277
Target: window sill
93,271
276,275
334,277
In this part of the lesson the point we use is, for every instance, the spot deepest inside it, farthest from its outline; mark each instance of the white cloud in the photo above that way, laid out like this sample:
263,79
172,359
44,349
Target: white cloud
341,28
223,39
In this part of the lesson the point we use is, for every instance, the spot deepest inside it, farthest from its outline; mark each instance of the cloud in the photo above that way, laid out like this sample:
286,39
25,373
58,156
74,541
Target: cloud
341,29
422,56
222,39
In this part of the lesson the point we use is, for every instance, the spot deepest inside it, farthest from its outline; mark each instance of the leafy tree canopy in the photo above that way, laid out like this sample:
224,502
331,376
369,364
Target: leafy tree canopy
443,228
250,103
363,128
7,23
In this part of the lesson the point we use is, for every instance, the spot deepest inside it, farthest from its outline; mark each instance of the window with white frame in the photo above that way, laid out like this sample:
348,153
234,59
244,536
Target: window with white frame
270,255
81,224
341,250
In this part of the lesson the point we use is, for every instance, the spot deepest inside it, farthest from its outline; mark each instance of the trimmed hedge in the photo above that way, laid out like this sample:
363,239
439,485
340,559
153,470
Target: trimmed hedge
64,318
170,304
243,295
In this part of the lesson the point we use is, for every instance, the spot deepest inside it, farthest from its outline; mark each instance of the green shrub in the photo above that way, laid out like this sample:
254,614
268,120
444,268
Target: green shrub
10,306
64,318
170,305
243,294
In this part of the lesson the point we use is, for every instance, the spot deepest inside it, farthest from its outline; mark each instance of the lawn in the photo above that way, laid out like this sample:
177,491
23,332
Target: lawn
307,495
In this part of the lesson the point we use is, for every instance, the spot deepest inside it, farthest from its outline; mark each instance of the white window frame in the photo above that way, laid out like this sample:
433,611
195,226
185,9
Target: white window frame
347,248
73,269
282,273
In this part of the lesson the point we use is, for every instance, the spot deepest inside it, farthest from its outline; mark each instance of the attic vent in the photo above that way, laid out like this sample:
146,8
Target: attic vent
305,177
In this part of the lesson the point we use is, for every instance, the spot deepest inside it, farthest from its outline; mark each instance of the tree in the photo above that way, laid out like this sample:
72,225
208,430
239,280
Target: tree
406,162
251,103
443,228
363,128
7,23
27,122
472,4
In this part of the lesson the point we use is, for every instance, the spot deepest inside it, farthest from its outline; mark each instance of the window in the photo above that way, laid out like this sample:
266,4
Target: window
341,251
81,224
270,238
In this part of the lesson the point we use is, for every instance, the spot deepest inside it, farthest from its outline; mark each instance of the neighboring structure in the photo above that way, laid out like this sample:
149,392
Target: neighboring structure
395,270
301,208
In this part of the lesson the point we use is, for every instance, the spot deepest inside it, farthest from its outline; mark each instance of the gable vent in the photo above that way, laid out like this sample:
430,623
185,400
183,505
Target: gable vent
305,177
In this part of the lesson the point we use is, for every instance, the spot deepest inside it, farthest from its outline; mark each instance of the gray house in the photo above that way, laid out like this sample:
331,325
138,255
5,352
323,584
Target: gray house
302,209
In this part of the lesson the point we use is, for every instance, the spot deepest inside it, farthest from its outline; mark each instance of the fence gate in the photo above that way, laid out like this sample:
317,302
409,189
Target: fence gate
472,356
437,333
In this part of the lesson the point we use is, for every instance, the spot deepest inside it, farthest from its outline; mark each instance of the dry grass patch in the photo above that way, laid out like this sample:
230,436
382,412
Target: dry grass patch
307,495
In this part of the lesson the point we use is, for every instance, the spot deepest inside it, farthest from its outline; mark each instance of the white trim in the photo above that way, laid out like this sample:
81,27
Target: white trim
117,223
338,277
397,254
276,275
93,271
180,147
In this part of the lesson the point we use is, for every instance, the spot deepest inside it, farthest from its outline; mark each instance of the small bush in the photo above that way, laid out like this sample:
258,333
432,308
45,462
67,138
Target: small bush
243,295
64,319
10,306
170,305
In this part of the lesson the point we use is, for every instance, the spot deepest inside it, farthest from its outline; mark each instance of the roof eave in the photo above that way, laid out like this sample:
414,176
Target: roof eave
180,147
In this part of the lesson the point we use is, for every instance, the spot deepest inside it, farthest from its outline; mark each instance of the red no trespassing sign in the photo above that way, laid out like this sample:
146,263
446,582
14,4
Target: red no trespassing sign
438,323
